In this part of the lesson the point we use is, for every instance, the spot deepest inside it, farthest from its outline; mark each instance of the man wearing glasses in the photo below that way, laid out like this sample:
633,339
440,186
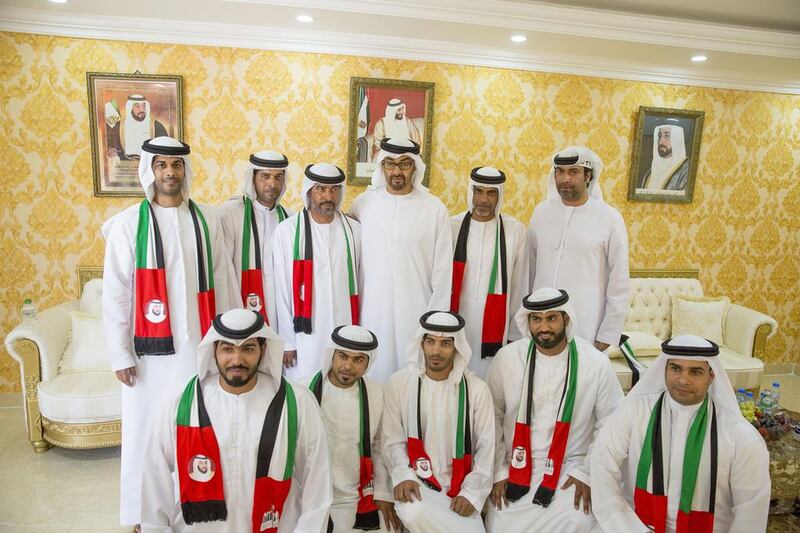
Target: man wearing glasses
406,259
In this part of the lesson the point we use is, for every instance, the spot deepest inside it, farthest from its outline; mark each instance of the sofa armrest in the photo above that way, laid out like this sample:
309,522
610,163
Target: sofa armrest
49,332
747,330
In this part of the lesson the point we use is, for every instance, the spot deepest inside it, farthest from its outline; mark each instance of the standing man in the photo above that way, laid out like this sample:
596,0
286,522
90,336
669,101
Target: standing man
579,243
552,393
165,277
247,447
490,268
407,251
352,406
249,222
316,258
438,431
678,455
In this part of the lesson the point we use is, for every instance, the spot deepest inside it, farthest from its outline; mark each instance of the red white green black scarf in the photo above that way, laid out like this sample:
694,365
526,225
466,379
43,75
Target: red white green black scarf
252,280
366,511
200,468
695,512
152,331
496,307
303,273
418,458
637,368
520,470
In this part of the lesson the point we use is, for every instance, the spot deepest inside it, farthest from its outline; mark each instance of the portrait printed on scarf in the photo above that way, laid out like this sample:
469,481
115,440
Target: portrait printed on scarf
383,109
125,110
665,155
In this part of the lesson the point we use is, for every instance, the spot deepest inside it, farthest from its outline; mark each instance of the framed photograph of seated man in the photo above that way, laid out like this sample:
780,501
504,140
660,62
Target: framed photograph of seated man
386,108
124,111
665,155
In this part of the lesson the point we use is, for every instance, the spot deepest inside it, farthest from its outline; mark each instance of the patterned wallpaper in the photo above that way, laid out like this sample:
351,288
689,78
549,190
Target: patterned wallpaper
742,230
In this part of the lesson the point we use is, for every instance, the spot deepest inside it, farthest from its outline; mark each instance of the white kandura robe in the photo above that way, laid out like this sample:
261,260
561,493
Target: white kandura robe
232,218
341,413
157,377
439,406
743,483
331,292
583,250
480,259
597,396
237,421
407,265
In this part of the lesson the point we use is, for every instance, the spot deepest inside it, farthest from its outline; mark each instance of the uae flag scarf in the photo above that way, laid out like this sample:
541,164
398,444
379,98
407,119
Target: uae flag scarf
495,309
418,458
152,332
521,470
252,279
698,492
201,493
303,272
367,510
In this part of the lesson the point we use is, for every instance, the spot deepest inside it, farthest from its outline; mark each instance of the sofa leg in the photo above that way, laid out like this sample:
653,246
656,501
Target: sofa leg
40,446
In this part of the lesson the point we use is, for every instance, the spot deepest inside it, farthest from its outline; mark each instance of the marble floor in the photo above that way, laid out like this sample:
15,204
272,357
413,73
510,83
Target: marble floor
78,490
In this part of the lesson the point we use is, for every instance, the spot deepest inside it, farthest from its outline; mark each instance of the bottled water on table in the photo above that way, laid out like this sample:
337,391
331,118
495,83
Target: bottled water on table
776,394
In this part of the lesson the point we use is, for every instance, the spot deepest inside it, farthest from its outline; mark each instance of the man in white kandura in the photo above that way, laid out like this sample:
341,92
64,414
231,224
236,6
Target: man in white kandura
249,221
438,431
490,268
241,449
407,255
552,392
165,276
352,407
678,456
316,258
579,243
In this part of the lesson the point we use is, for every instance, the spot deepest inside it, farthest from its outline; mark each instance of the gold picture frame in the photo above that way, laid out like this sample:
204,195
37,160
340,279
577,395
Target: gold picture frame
124,110
369,107
666,150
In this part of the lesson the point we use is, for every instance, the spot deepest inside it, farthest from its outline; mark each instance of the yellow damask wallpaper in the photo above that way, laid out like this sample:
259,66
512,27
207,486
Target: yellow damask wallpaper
742,230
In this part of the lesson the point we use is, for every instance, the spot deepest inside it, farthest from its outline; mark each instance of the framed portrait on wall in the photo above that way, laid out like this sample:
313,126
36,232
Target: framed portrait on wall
665,155
124,111
382,109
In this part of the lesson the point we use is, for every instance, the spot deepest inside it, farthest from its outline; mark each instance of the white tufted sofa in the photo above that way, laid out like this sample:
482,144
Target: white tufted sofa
649,322
65,408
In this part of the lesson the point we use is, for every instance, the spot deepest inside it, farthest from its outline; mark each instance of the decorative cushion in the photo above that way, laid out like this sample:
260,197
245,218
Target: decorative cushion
699,315
86,350
92,297
81,397
644,344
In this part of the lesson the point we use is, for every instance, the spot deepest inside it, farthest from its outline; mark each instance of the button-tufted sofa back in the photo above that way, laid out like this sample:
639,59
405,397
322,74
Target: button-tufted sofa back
651,303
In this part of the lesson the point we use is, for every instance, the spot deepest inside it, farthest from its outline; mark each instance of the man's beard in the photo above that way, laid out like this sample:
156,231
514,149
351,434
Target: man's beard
663,151
557,339
139,116
240,381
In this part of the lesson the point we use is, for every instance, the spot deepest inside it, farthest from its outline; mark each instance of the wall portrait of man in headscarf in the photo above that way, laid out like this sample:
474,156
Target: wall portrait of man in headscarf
386,109
665,156
125,111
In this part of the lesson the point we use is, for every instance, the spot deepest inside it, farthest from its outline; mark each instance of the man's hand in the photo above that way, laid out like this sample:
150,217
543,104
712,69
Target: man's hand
390,518
289,358
127,376
600,346
404,491
582,491
498,494
461,505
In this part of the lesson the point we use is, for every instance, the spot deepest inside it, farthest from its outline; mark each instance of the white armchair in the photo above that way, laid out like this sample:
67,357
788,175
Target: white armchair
71,397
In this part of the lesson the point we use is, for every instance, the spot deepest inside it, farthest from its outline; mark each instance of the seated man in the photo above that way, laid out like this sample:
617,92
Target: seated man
248,449
679,456
352,406
552,392
438,431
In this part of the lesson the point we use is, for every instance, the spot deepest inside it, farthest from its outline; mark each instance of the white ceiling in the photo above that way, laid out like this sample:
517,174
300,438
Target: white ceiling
750,45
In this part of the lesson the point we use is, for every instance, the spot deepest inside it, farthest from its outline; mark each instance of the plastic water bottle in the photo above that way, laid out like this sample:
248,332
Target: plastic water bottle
766,402
740,396
749,398
776,394
28,310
